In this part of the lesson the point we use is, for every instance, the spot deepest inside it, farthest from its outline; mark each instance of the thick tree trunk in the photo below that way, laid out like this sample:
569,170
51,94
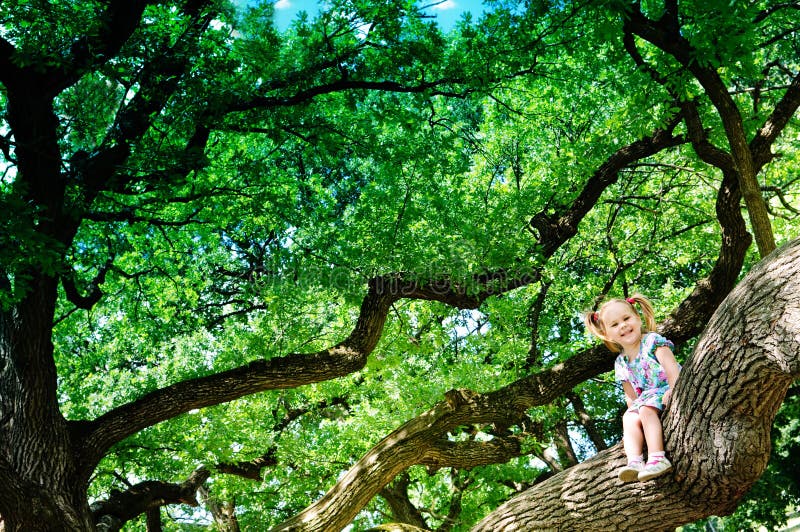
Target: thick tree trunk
39,488
718,427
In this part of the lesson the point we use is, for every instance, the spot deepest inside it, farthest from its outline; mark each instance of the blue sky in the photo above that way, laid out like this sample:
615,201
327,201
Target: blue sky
447,12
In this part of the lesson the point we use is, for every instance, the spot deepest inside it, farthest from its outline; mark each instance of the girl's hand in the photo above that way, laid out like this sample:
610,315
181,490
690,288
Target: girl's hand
667,397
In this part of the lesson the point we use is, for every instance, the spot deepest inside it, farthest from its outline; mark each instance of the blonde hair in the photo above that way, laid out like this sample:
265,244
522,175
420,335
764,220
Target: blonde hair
594,319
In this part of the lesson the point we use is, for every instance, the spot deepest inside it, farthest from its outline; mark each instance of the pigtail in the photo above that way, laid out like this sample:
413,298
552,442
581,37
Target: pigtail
646,309
592,321
594,325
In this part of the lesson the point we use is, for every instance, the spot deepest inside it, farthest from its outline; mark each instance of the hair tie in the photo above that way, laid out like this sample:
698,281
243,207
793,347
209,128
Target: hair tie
631,300
595,317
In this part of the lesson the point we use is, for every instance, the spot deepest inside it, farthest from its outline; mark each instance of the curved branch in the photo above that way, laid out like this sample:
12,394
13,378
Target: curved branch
87,301
704,149
306,95
123,506
117,23
128,215
586,421
439,87
403,511
775,124
137,498
423,440
766,13
289,371
688,320
555,229
110,515
469,454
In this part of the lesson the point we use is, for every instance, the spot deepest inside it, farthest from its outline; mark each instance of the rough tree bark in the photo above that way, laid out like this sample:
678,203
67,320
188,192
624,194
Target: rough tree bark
717,428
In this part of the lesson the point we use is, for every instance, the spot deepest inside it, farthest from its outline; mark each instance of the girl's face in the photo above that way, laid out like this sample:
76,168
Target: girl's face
621,324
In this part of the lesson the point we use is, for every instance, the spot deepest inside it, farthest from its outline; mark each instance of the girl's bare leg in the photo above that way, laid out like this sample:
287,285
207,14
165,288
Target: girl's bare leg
650,420
633,435
657,463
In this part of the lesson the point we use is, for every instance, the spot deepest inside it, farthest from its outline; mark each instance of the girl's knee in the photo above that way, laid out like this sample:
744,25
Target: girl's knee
631,417
649,411
649,414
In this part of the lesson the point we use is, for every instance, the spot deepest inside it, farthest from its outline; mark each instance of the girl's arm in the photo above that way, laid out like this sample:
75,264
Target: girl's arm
667,360
630,393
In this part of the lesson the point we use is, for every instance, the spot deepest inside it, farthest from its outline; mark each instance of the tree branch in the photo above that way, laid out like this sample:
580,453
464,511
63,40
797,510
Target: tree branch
145,496
775,124
290,371
403,511
766,13
159,80
555,229
116,24
586,421
87,301
306,95
110,515
688,320
224,513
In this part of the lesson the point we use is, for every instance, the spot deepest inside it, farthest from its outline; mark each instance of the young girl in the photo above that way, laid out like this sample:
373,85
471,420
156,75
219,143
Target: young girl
648,371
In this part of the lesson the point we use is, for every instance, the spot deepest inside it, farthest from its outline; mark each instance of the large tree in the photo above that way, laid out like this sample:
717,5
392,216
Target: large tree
390,230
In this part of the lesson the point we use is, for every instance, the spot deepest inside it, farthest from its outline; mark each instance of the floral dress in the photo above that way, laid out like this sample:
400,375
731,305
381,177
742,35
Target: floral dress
645,373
